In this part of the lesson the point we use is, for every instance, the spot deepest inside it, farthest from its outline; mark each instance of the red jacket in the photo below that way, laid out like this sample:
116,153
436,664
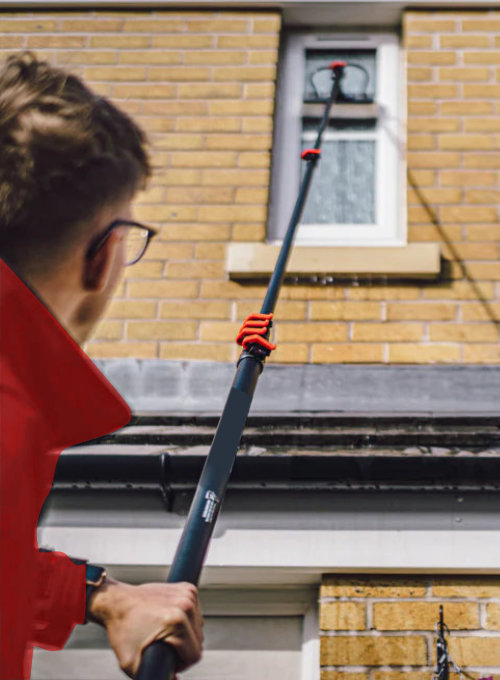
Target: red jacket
51,397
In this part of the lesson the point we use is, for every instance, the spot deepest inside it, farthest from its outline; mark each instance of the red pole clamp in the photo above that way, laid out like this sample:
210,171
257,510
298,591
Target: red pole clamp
337,64
310,154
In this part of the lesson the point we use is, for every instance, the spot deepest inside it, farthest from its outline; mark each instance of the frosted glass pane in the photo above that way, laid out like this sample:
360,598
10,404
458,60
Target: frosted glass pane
343,186
353,82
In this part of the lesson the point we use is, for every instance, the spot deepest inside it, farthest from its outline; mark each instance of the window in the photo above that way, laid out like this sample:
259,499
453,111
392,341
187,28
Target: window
357,189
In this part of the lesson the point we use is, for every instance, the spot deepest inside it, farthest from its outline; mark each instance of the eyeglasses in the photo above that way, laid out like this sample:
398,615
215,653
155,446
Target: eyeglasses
137,239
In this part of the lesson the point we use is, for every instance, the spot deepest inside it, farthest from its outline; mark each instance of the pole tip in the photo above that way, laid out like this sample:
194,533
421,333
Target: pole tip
337,65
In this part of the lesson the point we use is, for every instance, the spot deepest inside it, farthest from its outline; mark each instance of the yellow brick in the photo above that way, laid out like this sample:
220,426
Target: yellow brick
248,232
421,108
209,90
259,90
340,675
463,214
421,142
240,141
342,616
161,330
210,251
312,293
312,332
177,108
465,108
179,73
244,73
465,142
463,74
163,289
418,41
475,651
210,269
423,615
475,311
384,293
171,213
200,195
430,25
108,330
464,40
422,311
434,195
419,74
483,232
459,290
484,270
424,354
267,25
493,616
122,41
242,107
150,195
157,250
215,177
158,124
423,178
189,40
88,57
482,196
423,232
322,311
373,586
285,310
209,124
143,91
464,178
480,91
489,57
118,350
486,24
48,41
257,124
482,354
88,25
293,353
433,125
251,195
432,91
248,41
434,160
145,269
470,251
218,26
219,330
248,159
183,177
195,232
215,57
263,57
373,651
484,160
151,57
365,353
131,309
28,26
482,125
231,213
432,58
201,351
381,332
406,675
203,159
154,25
195,309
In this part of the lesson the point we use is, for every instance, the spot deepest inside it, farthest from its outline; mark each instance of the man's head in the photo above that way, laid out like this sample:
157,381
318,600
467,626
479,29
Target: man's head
71,163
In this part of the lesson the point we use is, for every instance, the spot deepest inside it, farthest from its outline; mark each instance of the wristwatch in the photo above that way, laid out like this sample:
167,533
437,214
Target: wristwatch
94,577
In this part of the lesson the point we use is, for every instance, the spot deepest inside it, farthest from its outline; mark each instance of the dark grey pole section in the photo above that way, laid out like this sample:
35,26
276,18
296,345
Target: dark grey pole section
443,661
158,660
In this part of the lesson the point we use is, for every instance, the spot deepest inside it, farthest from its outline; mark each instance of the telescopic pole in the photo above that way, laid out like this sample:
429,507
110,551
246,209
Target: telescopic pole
443,661
158,659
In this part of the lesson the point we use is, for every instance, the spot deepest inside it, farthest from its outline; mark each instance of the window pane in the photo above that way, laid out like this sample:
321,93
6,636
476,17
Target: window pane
342,190
354,81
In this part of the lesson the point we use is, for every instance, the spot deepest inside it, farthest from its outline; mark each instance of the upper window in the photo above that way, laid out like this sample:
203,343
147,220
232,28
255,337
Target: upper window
357,188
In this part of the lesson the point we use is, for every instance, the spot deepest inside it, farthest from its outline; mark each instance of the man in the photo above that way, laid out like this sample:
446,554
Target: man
71,164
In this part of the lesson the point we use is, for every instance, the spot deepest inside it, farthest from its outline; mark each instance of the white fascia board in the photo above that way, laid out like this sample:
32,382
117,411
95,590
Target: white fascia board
301,552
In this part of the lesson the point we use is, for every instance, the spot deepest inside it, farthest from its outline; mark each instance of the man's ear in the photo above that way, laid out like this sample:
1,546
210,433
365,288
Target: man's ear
97,268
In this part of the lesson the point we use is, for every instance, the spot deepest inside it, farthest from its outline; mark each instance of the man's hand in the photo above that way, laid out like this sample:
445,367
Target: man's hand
135,616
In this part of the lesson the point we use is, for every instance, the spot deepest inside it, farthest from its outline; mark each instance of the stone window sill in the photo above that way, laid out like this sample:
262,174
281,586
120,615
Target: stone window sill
415,260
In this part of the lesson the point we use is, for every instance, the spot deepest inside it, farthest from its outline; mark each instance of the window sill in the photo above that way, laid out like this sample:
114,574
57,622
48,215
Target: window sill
415,260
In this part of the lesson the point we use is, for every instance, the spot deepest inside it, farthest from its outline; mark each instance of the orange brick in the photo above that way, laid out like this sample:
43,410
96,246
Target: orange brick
432,58
161,330
196,351
163,289
423,354
422,311
373,651
342,616
195,309
466,108
312,332
345,311
475,651
423,615
118,350
356,353
382,332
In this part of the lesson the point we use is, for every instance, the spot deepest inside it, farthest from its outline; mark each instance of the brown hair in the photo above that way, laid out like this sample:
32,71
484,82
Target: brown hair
65,153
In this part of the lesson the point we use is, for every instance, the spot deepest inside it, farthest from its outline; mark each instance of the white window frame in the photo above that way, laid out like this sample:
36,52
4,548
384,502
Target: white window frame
390,224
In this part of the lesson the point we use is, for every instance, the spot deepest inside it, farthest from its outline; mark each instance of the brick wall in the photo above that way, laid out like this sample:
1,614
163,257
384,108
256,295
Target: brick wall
202,84
377,628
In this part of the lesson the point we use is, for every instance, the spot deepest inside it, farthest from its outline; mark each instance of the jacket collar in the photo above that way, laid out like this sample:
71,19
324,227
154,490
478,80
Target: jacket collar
41,362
